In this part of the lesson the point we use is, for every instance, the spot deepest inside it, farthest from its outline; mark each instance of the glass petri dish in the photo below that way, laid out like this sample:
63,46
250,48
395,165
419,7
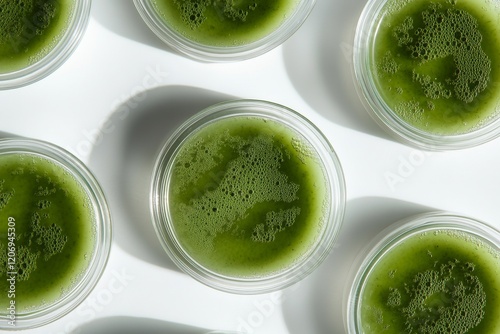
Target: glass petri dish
247,197
41,40
221,32
435,272
55,233
428,71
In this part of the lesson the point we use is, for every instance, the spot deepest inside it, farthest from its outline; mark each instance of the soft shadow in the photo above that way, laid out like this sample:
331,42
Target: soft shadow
131,325
318,59
317,307
124,152
6,135
122,18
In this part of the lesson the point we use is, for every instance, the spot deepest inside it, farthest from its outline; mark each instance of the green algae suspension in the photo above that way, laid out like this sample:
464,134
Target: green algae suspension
225,23
436,64
434,273
47,232
31,29
247,197
436,282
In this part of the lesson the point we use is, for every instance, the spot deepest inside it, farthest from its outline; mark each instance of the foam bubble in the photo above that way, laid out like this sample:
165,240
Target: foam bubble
5,196
22,18
50,239
448,299
411,110
252,177
193,12
276,221
44,204
394,298
388,64
447,33
26,262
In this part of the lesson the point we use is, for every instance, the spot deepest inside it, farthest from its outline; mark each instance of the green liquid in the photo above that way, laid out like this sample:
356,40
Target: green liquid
437,63
224,23
54,231
247,196
30,29
436,282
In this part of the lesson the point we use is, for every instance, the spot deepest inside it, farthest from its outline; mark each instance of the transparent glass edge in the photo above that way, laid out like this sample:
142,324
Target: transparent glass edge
56,57
231,284
388,238
100,257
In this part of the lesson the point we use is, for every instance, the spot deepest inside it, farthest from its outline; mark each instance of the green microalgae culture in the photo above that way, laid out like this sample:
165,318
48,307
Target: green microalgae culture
47,230
437,64
246,199
224,23
435,283
30,29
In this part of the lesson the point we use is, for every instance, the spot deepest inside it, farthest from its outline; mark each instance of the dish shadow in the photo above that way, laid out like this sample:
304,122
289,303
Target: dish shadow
5,135
322,299
122,18
124,154
132,325
318,60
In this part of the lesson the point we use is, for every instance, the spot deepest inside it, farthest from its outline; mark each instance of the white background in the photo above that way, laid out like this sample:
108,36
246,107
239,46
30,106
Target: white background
120,95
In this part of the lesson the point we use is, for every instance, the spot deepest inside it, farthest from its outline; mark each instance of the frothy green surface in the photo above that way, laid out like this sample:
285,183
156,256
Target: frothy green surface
29,29
54,231
247,196
437,63
436,282
224,22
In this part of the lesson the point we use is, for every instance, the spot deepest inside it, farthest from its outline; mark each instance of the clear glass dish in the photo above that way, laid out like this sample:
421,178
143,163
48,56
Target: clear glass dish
421,271
422,93
326,210
56,173
54,52
233,49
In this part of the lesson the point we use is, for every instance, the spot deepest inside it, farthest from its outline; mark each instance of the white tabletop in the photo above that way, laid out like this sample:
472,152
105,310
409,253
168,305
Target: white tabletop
121,94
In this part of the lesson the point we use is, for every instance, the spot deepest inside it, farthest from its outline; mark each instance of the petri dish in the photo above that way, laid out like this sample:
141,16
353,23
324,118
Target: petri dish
224,31
428,71
55,233
247,196
436,272
38,37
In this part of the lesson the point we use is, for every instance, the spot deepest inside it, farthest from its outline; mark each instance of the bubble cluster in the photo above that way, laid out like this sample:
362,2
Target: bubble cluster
46,240
44,204
193,11
235,14
402,32
45,191
26,262
198,159
433,89
5,196
12,13
45,12
24,18
411,110
18,171
388,64
448,299
252,177
50,239
394,298
447,33
304,150
276,221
